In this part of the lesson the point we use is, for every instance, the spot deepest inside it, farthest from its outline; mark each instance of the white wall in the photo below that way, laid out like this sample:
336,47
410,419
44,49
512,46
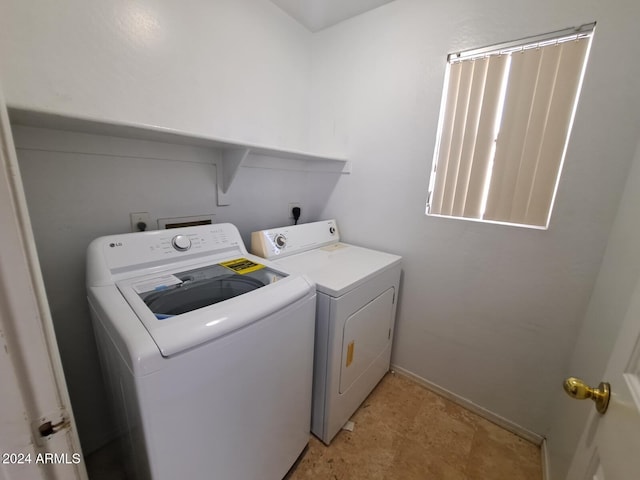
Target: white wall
487,312
234,69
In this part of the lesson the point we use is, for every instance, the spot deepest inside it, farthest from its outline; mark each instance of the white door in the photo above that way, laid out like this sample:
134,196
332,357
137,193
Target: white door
33,390
609,448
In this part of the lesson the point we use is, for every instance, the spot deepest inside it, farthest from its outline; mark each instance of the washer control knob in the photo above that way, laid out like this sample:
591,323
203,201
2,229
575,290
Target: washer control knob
181,243
280,240
332,230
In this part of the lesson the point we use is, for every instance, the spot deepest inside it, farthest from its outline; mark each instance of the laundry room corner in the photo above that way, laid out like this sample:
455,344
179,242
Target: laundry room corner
481,306
128,115
81,186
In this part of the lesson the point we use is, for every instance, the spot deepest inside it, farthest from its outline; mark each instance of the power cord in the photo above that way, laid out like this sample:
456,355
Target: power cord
295,211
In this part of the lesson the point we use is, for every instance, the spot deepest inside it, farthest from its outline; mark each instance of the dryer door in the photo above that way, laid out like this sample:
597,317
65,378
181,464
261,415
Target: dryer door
367,333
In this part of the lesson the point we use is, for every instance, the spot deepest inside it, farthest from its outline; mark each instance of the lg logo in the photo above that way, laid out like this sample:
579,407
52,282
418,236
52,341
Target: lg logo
115,244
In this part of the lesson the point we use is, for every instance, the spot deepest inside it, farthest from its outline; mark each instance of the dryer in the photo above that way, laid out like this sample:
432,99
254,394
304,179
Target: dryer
357,293
206,352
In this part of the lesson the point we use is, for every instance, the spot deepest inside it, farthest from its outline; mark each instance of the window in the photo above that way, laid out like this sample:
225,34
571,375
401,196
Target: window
504,125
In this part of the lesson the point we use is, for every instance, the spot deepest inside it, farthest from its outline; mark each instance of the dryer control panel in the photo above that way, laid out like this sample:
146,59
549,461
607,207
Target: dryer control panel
283,241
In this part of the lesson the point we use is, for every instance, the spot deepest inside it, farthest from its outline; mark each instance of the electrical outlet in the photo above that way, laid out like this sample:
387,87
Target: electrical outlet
291,205
140,217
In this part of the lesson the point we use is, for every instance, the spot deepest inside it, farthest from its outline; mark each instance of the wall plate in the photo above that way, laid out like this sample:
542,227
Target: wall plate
139,217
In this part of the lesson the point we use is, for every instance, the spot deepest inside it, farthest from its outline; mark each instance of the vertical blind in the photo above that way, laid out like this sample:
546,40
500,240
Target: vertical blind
504,128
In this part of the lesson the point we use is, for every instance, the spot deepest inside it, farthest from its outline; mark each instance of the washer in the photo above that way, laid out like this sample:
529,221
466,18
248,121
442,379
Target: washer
355,316
206,351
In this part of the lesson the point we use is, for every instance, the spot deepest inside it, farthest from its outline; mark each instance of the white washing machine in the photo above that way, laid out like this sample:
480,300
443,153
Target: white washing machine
356,308
207,353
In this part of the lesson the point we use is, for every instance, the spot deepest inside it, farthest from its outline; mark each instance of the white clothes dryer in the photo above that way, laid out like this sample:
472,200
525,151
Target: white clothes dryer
357,292
206,352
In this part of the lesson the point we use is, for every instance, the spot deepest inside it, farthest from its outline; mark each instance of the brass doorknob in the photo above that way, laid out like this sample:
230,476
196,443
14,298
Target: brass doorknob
577,388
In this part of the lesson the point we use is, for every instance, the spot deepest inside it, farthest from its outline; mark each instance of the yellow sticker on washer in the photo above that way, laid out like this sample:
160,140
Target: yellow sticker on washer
242,265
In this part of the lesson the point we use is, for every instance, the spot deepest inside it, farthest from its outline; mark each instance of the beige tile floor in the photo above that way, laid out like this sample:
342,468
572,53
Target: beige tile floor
405,432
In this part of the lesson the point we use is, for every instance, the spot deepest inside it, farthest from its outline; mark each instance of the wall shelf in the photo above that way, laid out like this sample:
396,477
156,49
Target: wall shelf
234,154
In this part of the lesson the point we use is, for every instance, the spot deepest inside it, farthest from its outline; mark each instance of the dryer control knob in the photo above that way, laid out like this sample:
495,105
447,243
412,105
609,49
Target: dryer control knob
332,230
280,240
181,243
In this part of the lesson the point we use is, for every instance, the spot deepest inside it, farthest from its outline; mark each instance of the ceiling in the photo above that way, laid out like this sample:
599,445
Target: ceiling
319,14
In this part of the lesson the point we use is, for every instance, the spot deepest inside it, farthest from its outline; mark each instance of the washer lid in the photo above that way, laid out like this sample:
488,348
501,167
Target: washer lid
182,309
340,267
182,292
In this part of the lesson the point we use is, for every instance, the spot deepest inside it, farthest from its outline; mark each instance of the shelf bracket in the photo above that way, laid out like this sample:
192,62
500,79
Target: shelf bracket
226,171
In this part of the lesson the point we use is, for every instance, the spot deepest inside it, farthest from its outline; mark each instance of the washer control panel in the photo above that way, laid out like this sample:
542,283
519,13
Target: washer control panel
283,241
147,248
